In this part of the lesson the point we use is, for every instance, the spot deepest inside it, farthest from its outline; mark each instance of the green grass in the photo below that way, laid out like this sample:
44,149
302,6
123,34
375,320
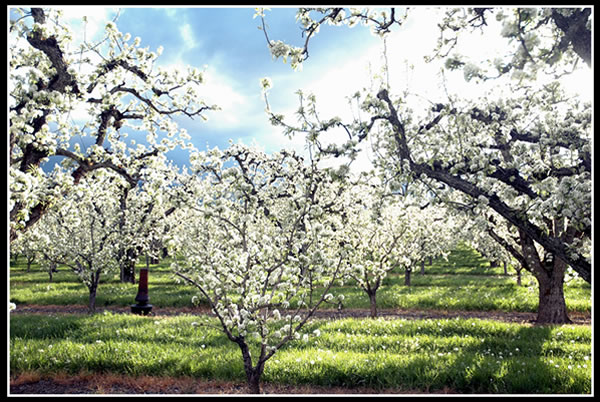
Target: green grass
34,287
464,355
464,282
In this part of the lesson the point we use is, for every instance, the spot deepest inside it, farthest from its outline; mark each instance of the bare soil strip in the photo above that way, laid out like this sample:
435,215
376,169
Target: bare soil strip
577,318
32,383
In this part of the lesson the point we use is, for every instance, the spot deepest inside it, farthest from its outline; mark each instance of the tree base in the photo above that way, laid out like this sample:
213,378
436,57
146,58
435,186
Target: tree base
141,309
556,317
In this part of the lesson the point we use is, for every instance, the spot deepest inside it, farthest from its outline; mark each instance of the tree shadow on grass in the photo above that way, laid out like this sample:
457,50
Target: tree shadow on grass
515,364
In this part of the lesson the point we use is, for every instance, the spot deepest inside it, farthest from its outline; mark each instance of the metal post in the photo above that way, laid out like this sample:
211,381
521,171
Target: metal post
142,307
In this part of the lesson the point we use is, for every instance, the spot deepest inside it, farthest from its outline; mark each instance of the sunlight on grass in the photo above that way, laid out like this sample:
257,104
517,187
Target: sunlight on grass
464,355
464,282
467,355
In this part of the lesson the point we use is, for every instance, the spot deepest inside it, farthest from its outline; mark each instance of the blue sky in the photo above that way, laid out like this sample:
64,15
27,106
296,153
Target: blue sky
227,44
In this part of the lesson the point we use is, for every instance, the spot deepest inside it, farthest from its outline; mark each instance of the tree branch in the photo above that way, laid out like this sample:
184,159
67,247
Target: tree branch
517,218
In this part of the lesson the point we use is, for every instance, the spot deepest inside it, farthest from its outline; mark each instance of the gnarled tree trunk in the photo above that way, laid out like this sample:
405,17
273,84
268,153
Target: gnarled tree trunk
549,273
552,308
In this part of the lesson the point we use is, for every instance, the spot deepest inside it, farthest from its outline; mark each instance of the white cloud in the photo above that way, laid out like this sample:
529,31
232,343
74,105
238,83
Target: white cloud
241,110
97,17
171,12
336,77
187,35
223,91
340,75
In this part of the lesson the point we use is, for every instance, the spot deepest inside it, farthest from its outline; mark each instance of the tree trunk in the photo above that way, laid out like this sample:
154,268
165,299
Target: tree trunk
128,260
423,267
51,270
95,280
92,300
253,379
505,267
373,303
407,272
128,271
128,256
550,273
253,374
552,308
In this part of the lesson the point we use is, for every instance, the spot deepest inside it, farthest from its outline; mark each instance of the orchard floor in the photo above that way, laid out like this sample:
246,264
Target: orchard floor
86,383
577,318
110,384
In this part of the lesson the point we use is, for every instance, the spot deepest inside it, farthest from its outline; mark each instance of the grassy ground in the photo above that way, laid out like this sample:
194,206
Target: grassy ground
461,354
464,282
465,355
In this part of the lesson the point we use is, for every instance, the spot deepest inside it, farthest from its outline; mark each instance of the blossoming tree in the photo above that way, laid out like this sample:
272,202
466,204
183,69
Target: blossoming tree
537,178
255,231
117,84
25,246
143,212
375,232
386,233
526,155
81,230
545,40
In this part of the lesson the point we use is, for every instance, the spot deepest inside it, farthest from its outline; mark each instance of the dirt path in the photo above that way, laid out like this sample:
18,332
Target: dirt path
516,317
30,383
111,384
